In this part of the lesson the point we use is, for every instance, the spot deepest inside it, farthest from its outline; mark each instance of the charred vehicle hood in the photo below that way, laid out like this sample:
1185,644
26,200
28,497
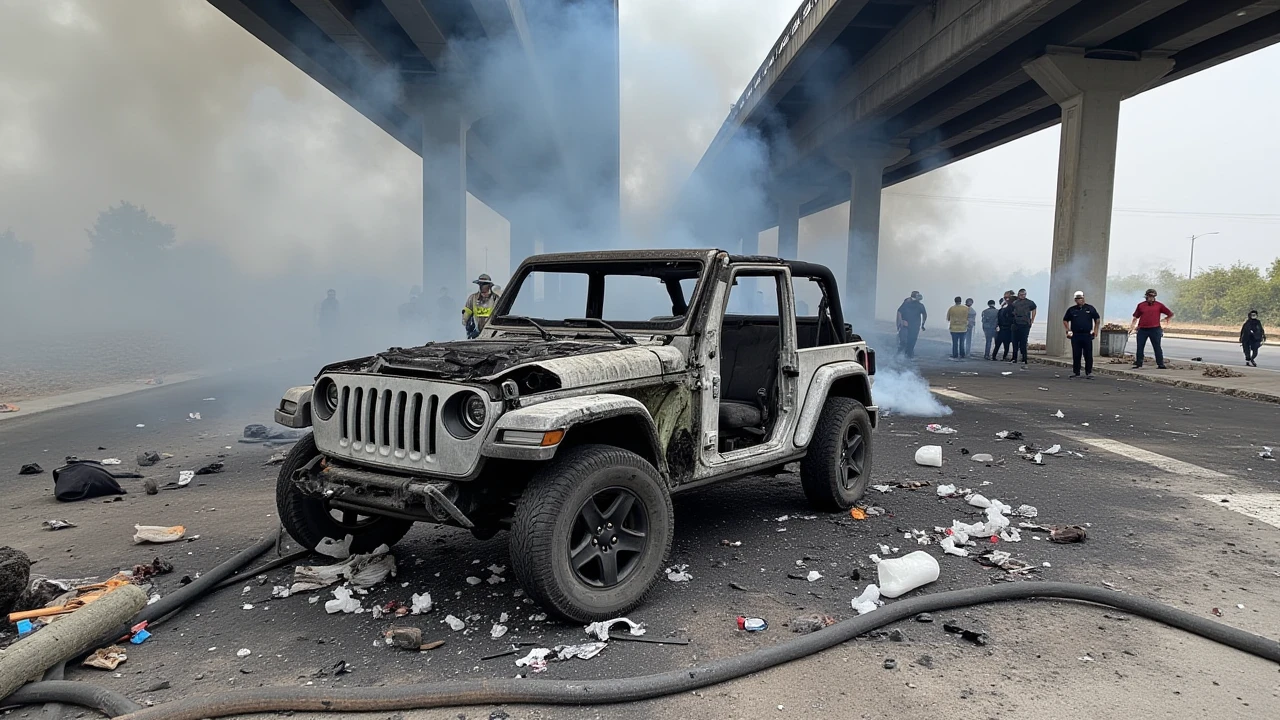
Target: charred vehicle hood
482,359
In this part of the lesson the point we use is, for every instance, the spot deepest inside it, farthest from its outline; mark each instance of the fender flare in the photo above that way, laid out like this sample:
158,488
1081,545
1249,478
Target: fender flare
566,414
819,387
294,410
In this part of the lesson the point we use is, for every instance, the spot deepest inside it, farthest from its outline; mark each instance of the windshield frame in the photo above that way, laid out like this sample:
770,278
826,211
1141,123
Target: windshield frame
605,268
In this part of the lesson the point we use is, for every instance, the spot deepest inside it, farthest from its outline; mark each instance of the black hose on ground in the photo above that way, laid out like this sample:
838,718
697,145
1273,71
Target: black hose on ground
69,692
264,568
594,692
183,596
53,710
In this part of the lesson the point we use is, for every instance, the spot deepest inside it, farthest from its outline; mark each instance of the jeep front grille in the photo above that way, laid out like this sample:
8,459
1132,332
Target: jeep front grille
386,422
398,423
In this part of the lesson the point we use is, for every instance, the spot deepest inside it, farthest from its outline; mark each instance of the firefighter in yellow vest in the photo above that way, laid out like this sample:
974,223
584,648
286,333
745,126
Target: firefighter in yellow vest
479,306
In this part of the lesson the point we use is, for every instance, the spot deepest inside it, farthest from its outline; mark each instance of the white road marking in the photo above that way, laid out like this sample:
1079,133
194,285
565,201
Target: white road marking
1162,462
962,397
1259,506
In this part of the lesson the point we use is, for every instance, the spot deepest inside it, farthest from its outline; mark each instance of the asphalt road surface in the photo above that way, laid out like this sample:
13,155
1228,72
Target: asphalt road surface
1138,460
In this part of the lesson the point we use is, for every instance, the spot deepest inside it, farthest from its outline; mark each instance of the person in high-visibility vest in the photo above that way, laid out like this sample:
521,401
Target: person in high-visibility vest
479,305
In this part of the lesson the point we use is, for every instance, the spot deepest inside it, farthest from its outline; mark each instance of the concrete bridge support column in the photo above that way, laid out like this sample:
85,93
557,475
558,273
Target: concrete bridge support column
789,227
1089,91
866,164
524,237
444,202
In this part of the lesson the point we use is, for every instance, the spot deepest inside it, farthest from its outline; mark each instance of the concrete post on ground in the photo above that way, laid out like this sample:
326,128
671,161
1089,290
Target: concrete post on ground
865,163
1089,91
444,200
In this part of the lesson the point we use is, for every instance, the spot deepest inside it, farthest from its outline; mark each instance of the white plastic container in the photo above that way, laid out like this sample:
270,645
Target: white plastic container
929,456
902,575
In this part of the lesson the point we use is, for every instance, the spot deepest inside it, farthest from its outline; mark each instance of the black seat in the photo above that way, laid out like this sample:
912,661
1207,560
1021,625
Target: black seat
739,415
749,347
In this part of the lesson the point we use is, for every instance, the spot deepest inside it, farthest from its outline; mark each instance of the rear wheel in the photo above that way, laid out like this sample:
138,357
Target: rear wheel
591,532
310,519
837,466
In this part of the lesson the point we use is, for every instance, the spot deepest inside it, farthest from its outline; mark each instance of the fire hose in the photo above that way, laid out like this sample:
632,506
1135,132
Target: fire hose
595,692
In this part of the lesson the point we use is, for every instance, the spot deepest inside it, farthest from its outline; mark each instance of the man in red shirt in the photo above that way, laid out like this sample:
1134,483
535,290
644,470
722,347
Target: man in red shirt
1147,319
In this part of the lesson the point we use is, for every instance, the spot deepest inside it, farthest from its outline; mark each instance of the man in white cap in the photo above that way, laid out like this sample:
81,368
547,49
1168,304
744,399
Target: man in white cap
479,305
1081,323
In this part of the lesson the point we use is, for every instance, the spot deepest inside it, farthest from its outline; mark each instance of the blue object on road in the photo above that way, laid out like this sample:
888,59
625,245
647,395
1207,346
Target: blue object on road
139,637
24,627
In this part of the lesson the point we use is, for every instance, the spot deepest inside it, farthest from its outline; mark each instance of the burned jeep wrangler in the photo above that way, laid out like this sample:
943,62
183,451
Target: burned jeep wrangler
604,382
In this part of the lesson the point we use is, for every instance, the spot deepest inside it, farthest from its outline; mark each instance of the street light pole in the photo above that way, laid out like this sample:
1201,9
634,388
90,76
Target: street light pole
1192,265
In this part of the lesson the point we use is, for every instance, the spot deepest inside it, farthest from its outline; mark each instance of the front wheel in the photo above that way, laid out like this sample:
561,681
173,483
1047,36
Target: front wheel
310,520
591,532
836,468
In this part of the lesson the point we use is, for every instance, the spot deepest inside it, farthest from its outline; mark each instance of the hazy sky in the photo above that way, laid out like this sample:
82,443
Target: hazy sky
168,104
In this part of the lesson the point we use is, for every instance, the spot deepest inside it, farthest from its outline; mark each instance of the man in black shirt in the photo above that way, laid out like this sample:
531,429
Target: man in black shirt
1081,324
911,319
1004,327
1024,316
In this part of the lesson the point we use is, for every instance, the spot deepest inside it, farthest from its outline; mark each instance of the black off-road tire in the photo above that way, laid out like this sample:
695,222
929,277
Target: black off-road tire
308,520
825,470
547,520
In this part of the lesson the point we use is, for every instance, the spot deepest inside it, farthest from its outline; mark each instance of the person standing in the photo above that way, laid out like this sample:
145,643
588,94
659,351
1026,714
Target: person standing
911,319
479,306
327,318
1024,315
1150,318
1251,337
1081,323
968,333
1004,327
958,319
990,318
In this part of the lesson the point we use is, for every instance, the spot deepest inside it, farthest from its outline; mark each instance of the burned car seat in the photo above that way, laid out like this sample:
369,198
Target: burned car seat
749,348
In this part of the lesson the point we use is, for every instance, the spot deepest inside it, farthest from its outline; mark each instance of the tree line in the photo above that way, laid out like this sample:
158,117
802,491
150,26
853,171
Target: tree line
1217,296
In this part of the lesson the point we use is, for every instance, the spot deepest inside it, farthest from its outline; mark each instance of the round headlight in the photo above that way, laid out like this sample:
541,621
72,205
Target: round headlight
473,412
325,398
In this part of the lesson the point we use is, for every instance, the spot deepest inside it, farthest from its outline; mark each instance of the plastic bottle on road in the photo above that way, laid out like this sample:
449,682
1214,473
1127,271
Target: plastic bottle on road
902,575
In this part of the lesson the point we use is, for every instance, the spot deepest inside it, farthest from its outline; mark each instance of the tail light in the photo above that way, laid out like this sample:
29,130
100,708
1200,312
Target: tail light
868,361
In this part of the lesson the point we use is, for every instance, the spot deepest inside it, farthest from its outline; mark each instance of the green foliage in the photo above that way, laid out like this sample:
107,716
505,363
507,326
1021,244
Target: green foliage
14,254
1219,295
128,238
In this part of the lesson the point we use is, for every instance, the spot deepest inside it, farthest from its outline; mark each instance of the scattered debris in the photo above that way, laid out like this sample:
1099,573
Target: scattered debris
813,576
913,484
948,545
1053,450
1004,561
679,573
601,629
1266,453
857,513
929,456
1026,511
735,543
158,566
497,631
1006,373
1009,435
419,604
148,458
110,461
973,636
193,416
983,458
869,600
896,635
150,487
454,623
924,618
811,623
31,469
738,586
9,408
536,660
361,571
473,580
342,602
212,468
257,433
585,651
898,576
946,490
1221,371
405,638
1067,534
336,549
882,488
1059,415
275,459
185,477
158,533
752,624
243,652
84,479
107,658
939,429
57,524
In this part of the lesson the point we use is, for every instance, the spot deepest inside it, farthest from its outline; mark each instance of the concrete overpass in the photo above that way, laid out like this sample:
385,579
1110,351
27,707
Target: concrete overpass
857,95
473,87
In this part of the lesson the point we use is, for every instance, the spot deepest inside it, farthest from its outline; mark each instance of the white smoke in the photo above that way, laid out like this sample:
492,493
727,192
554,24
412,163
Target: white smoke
905,392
